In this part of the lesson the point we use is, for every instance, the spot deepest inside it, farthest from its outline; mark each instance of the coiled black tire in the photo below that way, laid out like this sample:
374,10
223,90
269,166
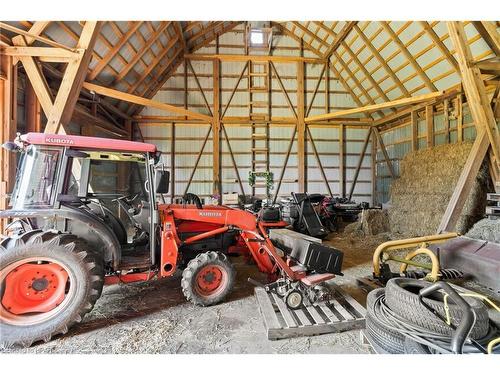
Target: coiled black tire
85,278
208,279
402,298
384,339
414,347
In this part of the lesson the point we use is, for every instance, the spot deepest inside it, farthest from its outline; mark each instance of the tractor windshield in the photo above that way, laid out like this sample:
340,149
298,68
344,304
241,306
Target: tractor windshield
36,178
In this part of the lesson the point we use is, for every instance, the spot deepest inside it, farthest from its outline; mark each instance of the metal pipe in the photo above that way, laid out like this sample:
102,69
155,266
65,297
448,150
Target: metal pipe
206,235
405,244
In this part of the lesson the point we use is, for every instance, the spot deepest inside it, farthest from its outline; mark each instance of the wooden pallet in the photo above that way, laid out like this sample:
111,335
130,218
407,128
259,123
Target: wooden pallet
342,313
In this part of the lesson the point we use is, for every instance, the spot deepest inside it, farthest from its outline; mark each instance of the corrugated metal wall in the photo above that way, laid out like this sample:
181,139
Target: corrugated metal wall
189,137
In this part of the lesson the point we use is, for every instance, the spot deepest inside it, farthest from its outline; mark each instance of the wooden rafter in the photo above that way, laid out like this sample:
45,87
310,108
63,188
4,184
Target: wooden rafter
409,57
113,51
439,43
143,50
381,61
488,32
339,38
290,34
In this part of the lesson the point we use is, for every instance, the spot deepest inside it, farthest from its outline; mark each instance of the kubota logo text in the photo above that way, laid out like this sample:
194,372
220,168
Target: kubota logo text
60,141
210,214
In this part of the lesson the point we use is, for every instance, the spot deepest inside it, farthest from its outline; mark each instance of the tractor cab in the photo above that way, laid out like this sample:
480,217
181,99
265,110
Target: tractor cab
102,190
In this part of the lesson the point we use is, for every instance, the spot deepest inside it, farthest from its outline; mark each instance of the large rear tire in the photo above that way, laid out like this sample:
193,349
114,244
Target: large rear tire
48,282
208,279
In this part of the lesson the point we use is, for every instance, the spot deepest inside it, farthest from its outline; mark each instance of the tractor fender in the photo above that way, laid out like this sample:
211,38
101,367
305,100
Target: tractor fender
78,222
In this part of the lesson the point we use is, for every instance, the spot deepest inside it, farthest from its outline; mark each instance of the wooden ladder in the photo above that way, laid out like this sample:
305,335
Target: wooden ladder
258,111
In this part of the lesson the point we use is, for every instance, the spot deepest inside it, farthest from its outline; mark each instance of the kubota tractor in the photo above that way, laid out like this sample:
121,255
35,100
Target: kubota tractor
86,212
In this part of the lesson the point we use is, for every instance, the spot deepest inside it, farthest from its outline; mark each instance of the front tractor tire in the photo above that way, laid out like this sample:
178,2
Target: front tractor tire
48,282
208,279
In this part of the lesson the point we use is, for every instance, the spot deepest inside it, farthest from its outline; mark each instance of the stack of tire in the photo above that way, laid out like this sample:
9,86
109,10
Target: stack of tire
401,296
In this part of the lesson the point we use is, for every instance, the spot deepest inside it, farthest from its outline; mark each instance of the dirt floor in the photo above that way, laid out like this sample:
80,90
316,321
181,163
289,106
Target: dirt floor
154,317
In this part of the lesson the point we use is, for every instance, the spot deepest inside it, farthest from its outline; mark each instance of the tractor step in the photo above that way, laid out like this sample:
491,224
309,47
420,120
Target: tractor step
131,262
341,313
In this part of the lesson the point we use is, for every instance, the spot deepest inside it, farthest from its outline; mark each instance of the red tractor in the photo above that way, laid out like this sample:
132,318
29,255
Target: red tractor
86,212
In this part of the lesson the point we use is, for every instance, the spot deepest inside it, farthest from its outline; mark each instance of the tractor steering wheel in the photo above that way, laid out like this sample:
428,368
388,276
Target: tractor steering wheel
192,198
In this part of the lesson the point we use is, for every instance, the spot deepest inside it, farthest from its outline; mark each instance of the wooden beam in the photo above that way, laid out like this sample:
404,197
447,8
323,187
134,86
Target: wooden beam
376,107
374,168
37,29
71,85
301,130
316,88
172,163
439,43
367,74
8,127
318,160
488,32
429,121
200,153
339,39
157,61
207,106
50,54
142,51
342,187
32,109
408,56
285,163
384,152
255,58
216,130
34,36
474,88
465,182
144,102
240,77
360,163
283,90
414,131
460,119
300,41
381,61
35,76
113,51
233,160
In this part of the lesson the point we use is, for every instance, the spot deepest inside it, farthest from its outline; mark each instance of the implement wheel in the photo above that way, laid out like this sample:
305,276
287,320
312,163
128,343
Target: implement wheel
208,279
48,282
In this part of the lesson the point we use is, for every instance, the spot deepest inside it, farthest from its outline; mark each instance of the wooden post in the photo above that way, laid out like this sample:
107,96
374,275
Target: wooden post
414,131
301,130
482,114
341,161
460,119
8,123
216,130
475,91
327,88
374,168
32,109
429,120
172,163
446,119
384,152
